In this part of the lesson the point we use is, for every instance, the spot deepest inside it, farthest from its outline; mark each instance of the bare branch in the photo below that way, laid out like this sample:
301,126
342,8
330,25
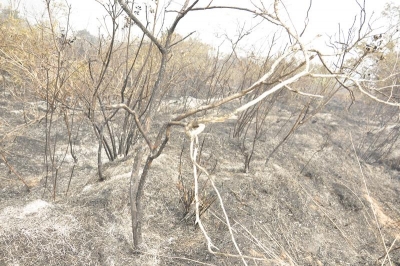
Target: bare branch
125,7
303,93
138,124
184,38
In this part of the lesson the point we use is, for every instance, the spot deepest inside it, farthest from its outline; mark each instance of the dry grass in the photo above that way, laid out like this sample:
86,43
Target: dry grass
307,206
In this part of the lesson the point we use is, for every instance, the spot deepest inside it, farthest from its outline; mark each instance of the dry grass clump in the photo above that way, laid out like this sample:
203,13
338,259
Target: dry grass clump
40,233
90,228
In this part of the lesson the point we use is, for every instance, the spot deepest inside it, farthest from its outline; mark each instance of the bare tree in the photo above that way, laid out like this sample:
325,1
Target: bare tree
120,85
343,71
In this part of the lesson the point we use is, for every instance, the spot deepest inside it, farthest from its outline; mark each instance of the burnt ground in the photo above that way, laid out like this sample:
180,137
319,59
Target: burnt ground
317,201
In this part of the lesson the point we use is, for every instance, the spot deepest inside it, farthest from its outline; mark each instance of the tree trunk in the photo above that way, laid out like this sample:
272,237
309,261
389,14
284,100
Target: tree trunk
133,192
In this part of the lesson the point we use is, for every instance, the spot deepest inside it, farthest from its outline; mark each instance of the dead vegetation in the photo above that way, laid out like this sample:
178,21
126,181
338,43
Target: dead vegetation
307,206
128,151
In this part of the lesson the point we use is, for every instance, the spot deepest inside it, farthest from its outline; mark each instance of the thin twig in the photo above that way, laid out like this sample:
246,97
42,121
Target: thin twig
173,257
138,124
390,249
14,172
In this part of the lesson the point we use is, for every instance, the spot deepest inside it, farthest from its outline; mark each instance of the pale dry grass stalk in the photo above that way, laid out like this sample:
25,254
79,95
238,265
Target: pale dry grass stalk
177,258
370,201
261,245
325,212
390,249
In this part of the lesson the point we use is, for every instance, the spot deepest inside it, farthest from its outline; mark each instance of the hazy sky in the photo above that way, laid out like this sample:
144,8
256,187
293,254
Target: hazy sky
325,15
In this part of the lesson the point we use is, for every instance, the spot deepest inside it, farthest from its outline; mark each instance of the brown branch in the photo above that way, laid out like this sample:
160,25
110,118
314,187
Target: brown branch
181,14
13,171
184,38
142,27
138,124
263,14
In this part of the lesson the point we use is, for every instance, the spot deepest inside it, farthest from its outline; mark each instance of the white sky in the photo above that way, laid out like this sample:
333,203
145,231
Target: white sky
325,15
